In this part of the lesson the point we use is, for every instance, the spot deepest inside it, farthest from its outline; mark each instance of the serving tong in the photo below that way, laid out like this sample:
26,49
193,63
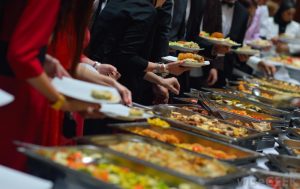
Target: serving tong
207,104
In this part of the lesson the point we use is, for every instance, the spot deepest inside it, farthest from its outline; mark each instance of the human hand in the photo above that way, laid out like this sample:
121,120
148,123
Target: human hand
212,77
86,109
171,84
125,93
161,94
243,58
175,68
269,70
108,70
53,68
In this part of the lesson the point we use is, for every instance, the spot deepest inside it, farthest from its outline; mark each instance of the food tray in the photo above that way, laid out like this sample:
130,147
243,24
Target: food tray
265,108
285,164
44,166
277,179
244,156
250,141
107,140
290,146
294,133
232,118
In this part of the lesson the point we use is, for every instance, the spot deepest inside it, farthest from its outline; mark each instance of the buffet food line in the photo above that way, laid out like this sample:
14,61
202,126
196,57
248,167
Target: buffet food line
211,138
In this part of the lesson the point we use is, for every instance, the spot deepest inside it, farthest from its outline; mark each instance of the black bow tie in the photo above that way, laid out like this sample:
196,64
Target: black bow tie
227,3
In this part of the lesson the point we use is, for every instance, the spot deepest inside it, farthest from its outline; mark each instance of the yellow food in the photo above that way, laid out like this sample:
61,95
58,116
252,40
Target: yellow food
136,112
158,122
102,95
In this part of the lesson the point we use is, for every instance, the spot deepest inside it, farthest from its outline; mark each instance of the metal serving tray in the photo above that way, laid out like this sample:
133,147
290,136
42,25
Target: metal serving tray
251,141
228,117
293,133
285,164
81,180
106,140
281,180
244,156
289,146
266,108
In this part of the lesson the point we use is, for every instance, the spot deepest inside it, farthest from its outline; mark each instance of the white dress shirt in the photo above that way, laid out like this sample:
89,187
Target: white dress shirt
227,16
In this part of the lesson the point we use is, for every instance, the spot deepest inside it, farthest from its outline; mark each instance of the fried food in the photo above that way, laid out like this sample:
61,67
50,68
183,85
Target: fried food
190,57
217,35
177,160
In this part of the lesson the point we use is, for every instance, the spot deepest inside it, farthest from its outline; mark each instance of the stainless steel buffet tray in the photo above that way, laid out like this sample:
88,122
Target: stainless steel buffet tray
107,140
250,141
243,156
56,171
276,128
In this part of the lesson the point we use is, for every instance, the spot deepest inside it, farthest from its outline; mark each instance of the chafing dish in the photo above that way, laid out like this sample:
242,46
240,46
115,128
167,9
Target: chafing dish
175,136
64,175
120,139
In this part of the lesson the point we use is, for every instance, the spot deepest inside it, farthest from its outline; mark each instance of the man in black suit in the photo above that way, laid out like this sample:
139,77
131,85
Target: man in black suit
119,38
228,17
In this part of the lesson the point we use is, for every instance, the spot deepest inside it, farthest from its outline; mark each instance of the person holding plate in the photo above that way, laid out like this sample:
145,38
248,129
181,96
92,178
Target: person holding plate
26,28
118,38
283,24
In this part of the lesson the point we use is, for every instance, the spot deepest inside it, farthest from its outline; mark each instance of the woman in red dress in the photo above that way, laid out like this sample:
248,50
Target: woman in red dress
25,29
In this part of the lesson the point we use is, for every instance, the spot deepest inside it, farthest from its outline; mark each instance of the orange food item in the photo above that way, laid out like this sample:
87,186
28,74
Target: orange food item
191,56
217,35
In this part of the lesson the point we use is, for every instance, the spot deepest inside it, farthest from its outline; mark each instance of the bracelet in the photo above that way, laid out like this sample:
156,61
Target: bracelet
96,64
59,103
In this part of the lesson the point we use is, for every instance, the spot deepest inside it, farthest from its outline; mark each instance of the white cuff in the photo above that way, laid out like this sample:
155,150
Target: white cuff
294,49
253,62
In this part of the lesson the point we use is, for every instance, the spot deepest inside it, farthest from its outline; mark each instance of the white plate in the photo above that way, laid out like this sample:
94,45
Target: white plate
5,98
220,42
185,63
246,52
121,112
289,40
169,58
81,90
256,46
195,65
184,49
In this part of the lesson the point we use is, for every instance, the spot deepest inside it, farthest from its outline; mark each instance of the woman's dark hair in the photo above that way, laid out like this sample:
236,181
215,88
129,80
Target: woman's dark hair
77,14
285,5
248,3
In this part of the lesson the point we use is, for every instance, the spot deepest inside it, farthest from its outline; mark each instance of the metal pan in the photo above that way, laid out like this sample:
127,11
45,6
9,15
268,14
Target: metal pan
82,180
293,133
243,156
237,120
264,108
286,164
292,147
249,141
281,180
108,140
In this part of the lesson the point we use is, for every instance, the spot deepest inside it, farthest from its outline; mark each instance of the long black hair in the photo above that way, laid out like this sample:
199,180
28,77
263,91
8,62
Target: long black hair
285,5
76,13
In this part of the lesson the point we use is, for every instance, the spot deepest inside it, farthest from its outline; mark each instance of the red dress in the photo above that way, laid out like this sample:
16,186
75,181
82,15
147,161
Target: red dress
25,30
61,50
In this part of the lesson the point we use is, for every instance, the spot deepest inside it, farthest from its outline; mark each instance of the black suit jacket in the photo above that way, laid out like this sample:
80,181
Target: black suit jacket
118,37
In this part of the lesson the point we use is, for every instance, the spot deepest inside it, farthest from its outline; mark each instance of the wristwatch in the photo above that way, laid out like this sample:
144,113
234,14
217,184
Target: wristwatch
59,103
